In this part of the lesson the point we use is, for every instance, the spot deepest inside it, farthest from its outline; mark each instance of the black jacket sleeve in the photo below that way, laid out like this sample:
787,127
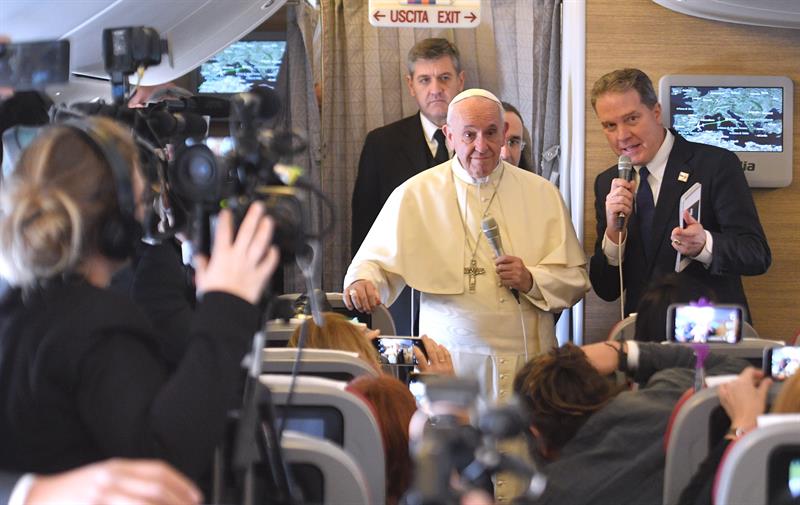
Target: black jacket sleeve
132,408
163,289
656,357
604,277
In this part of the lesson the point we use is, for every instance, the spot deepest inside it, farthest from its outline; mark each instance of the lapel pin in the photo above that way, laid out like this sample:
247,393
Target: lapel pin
683,177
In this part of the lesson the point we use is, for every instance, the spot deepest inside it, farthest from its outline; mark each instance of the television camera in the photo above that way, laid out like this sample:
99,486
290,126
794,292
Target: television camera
450,445
192,183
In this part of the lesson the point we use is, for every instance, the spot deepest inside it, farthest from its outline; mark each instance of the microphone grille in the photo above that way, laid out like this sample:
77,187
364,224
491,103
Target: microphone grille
488,224
624,163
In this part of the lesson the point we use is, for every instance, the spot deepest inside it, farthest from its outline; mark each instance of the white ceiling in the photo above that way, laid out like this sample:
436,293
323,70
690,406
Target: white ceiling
775,13
196,29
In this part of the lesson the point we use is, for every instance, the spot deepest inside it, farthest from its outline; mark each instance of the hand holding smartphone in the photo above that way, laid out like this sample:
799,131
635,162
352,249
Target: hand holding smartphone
397,350
780,363
704,324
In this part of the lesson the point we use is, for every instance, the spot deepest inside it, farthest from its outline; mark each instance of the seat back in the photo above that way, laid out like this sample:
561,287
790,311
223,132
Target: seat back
749,349
323,407
330,363
688,442
324,471
760,457
381,317
624,330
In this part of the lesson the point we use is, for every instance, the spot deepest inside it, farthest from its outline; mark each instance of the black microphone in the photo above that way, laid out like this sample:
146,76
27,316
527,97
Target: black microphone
492,233
625,168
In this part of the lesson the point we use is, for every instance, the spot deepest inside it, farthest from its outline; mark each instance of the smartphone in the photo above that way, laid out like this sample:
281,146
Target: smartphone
398,350
707,324
780,363
33,65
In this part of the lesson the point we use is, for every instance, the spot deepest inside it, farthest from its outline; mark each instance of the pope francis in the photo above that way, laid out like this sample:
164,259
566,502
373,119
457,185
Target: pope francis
428,235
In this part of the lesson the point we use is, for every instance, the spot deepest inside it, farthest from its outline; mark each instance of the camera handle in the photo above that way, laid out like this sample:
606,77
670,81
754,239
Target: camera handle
489,461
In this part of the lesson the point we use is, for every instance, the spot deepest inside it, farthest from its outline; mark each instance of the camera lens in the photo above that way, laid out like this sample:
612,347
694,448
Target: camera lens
200,168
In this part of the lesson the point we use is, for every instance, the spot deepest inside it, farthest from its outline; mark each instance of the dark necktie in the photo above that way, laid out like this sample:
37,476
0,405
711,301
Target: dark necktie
645,208
441,149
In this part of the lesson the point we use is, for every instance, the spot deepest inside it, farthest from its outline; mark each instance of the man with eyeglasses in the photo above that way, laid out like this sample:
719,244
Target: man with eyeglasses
514,143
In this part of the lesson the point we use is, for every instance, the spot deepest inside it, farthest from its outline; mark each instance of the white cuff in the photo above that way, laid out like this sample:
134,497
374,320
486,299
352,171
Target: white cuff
704,256
633,354
21,489
613,251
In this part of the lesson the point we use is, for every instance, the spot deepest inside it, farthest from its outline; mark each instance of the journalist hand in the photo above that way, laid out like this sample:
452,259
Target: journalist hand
439,360
240,266
116,481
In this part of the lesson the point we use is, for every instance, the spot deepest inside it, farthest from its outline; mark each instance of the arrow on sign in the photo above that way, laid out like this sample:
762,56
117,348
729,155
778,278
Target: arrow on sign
472,17
378,16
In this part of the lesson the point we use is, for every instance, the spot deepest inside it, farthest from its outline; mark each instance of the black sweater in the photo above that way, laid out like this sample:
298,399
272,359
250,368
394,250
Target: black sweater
82,378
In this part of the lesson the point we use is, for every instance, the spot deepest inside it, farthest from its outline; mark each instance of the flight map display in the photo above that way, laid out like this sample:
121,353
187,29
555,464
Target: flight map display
738,118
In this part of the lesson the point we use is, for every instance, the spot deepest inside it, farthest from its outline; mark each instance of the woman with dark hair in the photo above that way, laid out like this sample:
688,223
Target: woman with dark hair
81,375
393,405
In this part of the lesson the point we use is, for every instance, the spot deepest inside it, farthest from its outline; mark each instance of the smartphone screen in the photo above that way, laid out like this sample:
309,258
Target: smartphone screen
711,324
398,350
783,362
32,65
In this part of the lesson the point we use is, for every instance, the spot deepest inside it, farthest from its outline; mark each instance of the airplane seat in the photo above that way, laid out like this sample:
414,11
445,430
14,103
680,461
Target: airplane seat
624,329
324,408
762,467
689,437
330,363
380,318
325,473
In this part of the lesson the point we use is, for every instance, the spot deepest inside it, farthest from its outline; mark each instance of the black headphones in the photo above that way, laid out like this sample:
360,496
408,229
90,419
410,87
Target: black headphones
120,232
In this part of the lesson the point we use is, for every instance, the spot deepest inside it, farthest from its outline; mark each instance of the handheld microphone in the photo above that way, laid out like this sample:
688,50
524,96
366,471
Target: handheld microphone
625,168
492,233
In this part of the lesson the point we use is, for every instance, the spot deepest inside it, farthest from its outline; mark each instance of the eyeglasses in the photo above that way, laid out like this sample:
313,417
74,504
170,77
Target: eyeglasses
515,144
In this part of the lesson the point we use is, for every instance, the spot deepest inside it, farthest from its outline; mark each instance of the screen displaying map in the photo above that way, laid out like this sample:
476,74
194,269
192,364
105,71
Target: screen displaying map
240,65
748,119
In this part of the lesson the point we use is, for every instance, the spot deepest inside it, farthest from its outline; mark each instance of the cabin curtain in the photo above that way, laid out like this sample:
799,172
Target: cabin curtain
514,53
300,113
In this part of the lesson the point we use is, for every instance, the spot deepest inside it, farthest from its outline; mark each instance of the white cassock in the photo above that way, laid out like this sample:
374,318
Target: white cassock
419,239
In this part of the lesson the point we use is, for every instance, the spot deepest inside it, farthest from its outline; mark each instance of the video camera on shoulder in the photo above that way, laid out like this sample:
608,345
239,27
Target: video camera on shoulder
690,323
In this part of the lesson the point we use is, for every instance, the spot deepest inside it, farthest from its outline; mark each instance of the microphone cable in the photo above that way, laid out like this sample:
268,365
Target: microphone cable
524,330
621,283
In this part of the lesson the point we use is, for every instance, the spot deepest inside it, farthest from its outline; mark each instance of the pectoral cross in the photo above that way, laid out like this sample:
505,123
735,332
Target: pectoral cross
473,271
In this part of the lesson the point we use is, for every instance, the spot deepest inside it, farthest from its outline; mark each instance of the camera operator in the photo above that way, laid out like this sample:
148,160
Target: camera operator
82,376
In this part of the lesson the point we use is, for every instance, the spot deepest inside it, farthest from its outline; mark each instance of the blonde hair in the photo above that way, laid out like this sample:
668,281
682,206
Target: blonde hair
53,206
337,333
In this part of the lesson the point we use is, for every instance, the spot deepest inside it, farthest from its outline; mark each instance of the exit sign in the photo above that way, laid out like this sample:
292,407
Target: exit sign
425,13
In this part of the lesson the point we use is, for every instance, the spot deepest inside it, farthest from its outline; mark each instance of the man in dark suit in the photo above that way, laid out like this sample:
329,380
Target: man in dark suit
398,151
726,243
